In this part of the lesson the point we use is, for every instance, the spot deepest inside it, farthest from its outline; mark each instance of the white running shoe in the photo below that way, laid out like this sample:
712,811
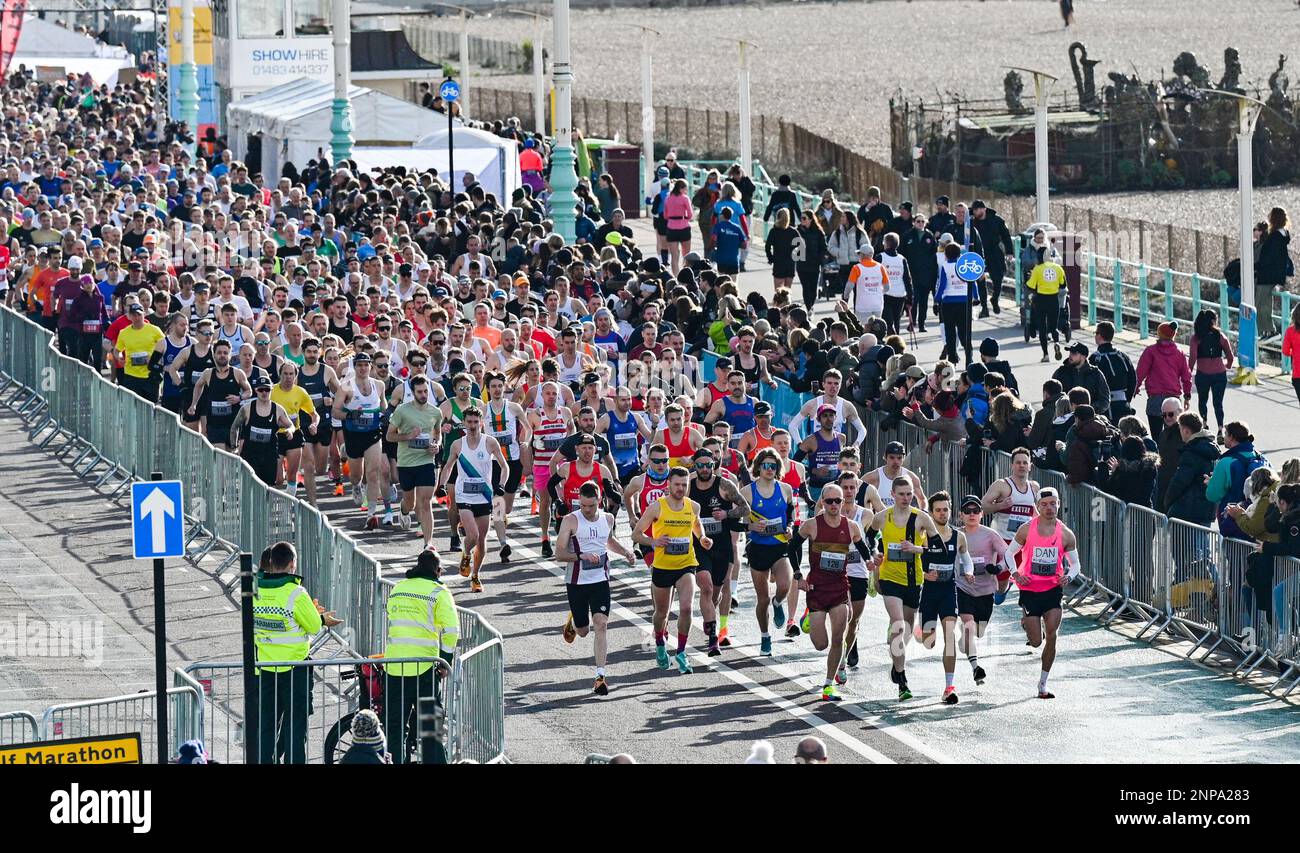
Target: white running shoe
388,518
404,520
358,497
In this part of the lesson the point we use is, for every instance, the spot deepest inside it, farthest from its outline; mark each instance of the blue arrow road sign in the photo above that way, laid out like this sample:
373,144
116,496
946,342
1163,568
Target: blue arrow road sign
157,519
449,90
970,266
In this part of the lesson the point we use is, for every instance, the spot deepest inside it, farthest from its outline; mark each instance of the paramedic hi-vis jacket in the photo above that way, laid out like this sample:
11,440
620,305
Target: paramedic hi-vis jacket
284,619
422,622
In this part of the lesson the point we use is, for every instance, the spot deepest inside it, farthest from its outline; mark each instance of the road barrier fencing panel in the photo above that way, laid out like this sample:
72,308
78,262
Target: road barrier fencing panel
119,715
1149,560
18,727
1194,591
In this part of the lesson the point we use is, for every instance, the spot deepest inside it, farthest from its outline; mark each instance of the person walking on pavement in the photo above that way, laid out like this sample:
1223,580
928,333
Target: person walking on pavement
942,220
285,618
1209,355
920,247
1271,269
422,623
998,250
1163,371
809,256
1120,374
1291,348
1045,283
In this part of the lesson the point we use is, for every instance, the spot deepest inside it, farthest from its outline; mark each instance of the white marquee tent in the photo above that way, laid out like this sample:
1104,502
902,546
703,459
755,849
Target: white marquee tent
493,160
45,43
293,120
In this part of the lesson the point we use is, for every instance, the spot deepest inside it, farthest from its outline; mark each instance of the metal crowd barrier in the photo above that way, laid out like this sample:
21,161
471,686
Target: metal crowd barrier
116,435
136,712
18,727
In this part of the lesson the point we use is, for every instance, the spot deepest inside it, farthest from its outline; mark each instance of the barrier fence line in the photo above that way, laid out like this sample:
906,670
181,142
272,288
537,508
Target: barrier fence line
18,727
1169,576
118,435
136,712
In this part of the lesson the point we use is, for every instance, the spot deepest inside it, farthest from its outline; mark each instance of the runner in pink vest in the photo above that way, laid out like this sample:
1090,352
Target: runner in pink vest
1051,561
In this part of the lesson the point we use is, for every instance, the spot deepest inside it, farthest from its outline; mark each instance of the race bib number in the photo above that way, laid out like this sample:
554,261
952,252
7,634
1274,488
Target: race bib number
505,439
260,435
139,359
362,421
833,561
552,442
773,526
90,327
316,398
712,526
194,376
894,553
421,442
625,441
1044,561
677,546
1014,523
944,570
220,408
471,484
67,305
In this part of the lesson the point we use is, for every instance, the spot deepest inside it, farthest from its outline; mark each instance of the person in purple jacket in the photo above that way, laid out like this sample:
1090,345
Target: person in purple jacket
64,294
86,319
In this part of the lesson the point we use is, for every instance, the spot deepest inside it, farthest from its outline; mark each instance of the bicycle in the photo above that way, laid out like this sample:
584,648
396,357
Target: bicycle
370,675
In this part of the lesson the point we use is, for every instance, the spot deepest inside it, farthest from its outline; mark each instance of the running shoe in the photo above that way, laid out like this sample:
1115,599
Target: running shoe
464,565
570,632
372,522
779,610
950,696
791,629
765,647
829,694
338,489
1044,359
357,496
806,622
1058,351
683,665
505,553
393,496
661,656
999,597
547,551
404,521
853,654
455,542
735,600
841,675
389,521
714,651
602,687
904,692
475,585
979,674
1043,694
723,640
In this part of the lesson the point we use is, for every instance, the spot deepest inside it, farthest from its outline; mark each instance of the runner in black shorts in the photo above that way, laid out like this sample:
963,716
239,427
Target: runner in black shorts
720,501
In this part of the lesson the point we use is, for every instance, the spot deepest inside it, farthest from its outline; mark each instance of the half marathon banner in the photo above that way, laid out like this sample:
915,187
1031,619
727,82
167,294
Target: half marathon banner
11,26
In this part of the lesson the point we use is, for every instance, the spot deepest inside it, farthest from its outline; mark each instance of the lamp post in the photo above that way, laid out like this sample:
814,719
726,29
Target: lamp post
539,72
341,121
648,108
1248,112
189,76
564,179
746,121
1043,83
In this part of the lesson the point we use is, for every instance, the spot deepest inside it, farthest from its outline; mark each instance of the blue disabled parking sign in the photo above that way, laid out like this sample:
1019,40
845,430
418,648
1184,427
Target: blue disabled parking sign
970,266
449,90
157,519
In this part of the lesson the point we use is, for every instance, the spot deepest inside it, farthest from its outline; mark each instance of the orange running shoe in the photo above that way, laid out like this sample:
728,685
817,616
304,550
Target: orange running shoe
569,631
338,489
475,585
723,640
464,564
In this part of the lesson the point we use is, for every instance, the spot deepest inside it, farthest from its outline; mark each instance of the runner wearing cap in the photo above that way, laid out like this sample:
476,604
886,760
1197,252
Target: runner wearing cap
761,435
945,559
568,478
822,448
1011,501
1051,562
882,478
975,593
721,503
592,395
904,530
831,536
253,432
845,411
716,389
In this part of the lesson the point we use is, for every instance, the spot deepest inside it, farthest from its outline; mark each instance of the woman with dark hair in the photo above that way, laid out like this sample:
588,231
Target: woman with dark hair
607,196
1209,355
1131,476
1291,348
1271,269
809,255
780,245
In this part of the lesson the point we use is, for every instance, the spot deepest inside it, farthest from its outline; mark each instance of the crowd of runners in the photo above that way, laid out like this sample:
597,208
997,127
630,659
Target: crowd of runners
441,356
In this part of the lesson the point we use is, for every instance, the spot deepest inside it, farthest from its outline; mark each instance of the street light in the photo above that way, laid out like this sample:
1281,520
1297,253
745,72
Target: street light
564,179
539,74
1248,112
746,122
341,118
1043,83
648,36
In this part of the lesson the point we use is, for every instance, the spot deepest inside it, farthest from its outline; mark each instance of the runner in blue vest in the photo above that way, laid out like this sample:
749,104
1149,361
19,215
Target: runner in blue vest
737,408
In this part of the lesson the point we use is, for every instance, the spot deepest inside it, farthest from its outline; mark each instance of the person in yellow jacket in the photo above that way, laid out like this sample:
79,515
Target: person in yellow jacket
422,623
1046,283
284,620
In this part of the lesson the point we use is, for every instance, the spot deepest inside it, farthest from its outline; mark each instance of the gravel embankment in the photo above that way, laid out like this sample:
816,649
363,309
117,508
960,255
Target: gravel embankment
833,67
